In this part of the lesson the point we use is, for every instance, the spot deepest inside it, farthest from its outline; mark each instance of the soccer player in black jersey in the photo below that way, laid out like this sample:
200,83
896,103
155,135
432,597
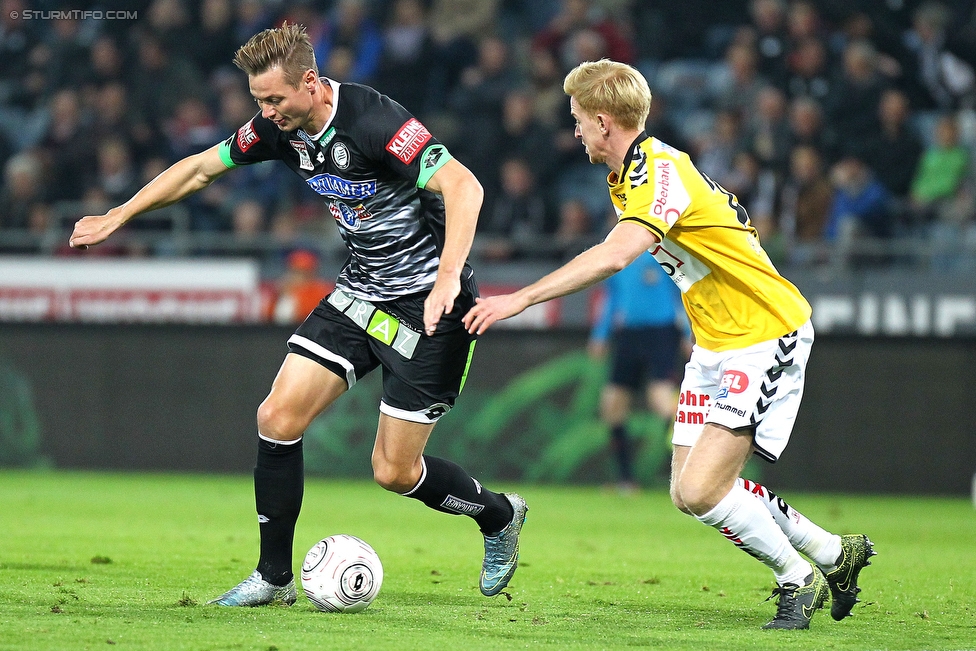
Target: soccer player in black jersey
407,212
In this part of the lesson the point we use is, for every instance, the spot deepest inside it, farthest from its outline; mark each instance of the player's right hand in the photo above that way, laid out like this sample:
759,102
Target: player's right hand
94,229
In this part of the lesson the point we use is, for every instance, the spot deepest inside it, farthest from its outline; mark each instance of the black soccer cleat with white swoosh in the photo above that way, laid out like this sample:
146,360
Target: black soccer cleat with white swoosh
797,603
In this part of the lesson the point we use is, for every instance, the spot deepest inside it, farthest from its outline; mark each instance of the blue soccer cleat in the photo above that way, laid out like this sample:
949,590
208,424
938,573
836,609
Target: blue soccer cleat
502,550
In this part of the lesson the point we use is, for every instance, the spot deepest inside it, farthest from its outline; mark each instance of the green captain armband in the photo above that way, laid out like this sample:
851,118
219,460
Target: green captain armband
224,151
432,159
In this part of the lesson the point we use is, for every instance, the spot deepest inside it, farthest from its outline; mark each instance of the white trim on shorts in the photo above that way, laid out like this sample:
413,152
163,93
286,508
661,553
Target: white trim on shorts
321,351
758,386
427,416
276,441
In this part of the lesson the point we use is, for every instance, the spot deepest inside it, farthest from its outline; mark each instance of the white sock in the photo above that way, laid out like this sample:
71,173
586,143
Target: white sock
748,525
806,536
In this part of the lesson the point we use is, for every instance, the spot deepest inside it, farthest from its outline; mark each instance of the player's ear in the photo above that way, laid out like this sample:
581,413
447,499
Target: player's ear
309,80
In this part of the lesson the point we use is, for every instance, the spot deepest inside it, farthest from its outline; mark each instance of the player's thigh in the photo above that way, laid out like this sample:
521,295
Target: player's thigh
717,457
417,392
328,355
712,465
397,452
302,389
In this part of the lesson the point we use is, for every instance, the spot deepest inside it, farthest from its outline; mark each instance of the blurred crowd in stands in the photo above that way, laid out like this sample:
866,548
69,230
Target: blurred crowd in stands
847,128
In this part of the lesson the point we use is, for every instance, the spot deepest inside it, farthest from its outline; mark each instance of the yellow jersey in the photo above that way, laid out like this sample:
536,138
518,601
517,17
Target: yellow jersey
732,292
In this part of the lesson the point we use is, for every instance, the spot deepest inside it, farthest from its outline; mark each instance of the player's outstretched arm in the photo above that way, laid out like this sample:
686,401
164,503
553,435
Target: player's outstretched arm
624,243
463,196
182,179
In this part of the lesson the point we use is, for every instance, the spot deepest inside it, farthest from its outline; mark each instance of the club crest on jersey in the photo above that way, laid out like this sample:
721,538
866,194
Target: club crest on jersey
408,140
340,155
246,136
350,218
304,160
732,382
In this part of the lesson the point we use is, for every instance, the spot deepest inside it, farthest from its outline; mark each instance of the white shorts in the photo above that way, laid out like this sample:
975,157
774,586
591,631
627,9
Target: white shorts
759,386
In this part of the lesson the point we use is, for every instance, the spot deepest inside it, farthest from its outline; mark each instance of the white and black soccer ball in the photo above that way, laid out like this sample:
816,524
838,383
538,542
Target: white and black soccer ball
341,574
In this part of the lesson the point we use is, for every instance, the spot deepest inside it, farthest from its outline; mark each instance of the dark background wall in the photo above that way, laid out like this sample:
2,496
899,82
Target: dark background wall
885,414
879,415
146,397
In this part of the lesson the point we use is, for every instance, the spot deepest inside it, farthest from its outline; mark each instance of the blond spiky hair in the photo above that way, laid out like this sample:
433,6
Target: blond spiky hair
610,87
287,47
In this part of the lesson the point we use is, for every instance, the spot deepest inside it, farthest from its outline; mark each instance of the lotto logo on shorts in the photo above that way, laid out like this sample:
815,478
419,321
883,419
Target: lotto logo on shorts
436,412
732,382
409,139
246,136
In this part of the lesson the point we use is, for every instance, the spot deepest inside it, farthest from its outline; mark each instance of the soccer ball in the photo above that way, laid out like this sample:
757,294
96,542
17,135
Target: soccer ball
341,574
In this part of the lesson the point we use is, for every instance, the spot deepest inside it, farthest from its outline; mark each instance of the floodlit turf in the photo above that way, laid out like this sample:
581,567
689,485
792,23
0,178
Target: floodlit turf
126,561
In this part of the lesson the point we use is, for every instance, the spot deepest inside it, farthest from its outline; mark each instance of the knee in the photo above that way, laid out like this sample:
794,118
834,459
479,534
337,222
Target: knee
677,468
276,422
677,501
693,498
394,478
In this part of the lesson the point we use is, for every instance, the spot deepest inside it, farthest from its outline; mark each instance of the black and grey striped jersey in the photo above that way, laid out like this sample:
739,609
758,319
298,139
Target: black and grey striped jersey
371,163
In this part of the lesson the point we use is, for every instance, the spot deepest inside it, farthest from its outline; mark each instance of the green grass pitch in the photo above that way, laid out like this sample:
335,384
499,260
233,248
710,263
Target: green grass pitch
126,561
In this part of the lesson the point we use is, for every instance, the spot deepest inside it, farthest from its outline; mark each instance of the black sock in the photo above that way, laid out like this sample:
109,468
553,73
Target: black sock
621,448
279,484
446,487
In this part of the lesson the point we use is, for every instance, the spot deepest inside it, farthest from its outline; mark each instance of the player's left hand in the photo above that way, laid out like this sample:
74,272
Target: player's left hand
440,301
488,310
94,229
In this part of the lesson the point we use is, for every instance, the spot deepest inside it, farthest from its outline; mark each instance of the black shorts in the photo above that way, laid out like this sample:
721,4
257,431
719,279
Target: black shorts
641,355
422,376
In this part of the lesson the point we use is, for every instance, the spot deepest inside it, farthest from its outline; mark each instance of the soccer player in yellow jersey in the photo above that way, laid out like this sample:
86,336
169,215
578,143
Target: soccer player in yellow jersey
743,383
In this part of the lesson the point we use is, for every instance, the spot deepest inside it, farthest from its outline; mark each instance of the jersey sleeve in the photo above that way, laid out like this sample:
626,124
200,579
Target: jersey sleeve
254,142
401,142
